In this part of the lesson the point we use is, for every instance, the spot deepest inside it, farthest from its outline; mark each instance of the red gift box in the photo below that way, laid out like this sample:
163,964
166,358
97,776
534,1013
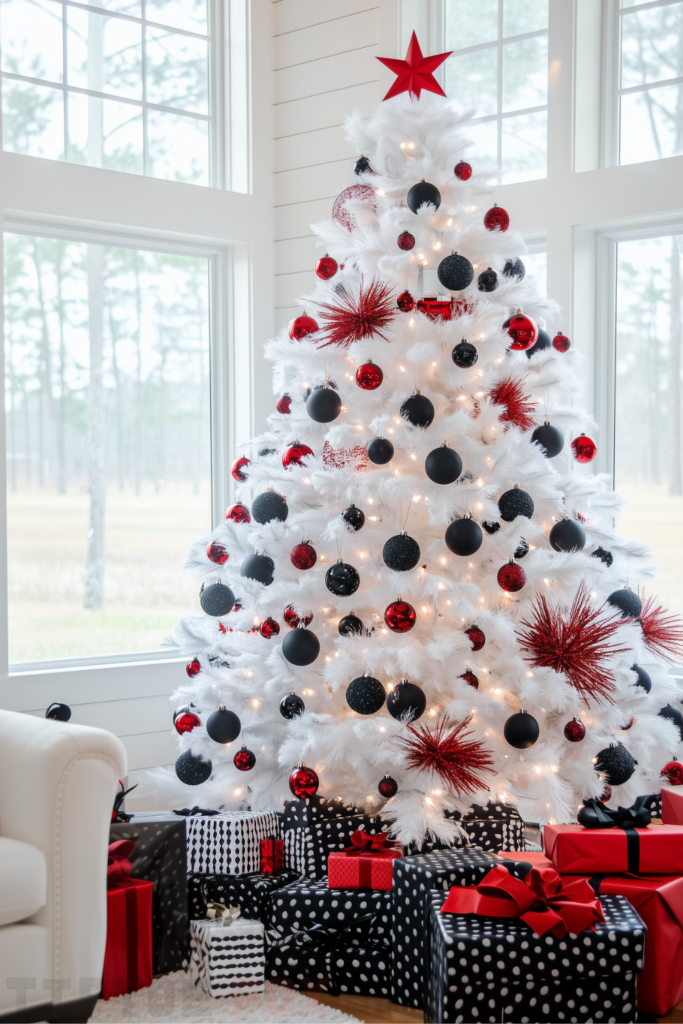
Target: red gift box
272,856
128,953
574,850
672,807
368,864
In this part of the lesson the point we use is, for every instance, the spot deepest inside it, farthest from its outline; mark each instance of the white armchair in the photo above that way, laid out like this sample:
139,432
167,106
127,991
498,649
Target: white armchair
57,787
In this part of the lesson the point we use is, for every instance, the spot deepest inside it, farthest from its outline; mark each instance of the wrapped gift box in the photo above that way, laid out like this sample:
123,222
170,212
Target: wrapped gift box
586,977
494,828
307,847
128,952
309,902
366,864
251,893
300,813
362,971
272,856
323,961
229,844
228,959
575,850
672,807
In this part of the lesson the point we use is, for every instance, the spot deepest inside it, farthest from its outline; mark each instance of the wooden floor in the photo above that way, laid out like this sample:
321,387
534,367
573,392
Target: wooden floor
377,1011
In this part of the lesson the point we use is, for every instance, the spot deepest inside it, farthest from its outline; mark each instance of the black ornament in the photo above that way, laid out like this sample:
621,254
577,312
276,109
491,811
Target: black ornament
301,647
491,528
365,695
464,537
259,568
487,281
401,553
223,726
616,764
342,579
542,342
515,502
292,705
522,549
455,272
58,712
514,268
362,166
628,603
350,625
216,599
192,769
674,715
353,517
422,193
268,506
521,730
380,451
643,679
443,465
266,451
323,405
418,410
567,535
604,556
387,787
407,699
464,355
549,439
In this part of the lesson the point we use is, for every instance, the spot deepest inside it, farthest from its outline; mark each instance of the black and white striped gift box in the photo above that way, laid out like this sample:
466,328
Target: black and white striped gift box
229,844
228,960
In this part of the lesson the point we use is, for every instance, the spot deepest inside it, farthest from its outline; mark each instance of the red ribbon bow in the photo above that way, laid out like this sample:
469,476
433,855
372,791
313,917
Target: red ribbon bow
363,842
119,866
543,900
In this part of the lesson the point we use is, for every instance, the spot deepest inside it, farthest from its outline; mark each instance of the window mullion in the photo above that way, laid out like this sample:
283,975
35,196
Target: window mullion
499,92
65,80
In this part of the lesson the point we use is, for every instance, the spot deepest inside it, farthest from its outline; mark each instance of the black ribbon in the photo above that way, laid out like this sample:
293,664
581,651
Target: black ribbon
196,812
594,814
324,938
118,815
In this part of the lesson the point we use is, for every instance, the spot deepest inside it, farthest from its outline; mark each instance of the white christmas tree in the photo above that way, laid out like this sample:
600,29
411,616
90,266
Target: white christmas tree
414,584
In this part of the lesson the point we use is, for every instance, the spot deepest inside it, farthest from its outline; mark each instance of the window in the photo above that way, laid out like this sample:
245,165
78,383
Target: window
122,84
650,80
108,443
499,70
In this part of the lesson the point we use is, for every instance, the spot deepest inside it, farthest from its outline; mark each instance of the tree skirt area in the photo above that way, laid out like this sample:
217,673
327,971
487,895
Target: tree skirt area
174,998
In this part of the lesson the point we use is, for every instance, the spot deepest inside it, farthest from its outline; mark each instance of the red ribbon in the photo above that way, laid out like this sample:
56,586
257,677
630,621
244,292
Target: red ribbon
543,900
365,843
119,866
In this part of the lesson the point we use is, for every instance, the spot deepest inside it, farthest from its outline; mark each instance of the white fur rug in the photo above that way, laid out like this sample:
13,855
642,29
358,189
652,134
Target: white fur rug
174,998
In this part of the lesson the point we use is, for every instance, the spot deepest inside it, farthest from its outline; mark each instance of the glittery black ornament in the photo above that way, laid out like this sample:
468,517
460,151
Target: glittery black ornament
193,770
521,730
292,706
463,537
464,355
223,726
301,647
365,695
422,193
401,553
380,451
542,342
674,715
567,535
616,764
491,528
353,517
58,712
487,281
443,465
455,272
323,405
259,568
628,603
350,625
643,679
549,439
268,506
342,579
605,556
216,599
418,410
514,268
407,699
363,166
515,502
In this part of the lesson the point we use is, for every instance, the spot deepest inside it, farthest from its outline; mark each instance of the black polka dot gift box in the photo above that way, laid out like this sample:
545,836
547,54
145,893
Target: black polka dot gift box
229,844
307,847
227,957
493,828
499,969
299,813
308,902
251,893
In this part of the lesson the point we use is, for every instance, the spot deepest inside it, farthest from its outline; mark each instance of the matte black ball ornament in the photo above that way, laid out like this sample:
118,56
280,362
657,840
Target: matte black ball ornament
643,680
616,764
401,553
628,603
464,536
567,535
464,355
407,699
292,706
365,695
223,726
515,502
380,451
443,465
192,769
301,647
674,715
342,579
521,730
542,342
350,625
216,599
605,556
549,439
487,281
418,410
259,568
455,272
323,405
422,193
353,517
58,712
268,506
514,268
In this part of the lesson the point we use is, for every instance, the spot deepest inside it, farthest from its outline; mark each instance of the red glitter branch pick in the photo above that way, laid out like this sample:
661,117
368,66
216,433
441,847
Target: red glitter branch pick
518,406
662,633
575,643
455,759
355,318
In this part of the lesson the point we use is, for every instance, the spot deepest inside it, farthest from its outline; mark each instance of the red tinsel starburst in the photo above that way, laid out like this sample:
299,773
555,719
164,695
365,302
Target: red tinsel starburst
455,759
518,406
662,633
357,317
573,642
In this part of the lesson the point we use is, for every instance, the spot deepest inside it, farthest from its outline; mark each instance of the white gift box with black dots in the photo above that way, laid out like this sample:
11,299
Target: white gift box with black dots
229,844
228,959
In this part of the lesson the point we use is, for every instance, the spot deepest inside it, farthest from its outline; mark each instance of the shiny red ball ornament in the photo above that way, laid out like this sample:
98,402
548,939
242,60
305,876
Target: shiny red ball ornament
303,781
477,638
496,217
523,331
193,668
673,773
574,731
561,342
405,302
300,326
470,679
606,794
238,467
406,241
511,577
303,556
326,268
238,513
186,722
292,619
369,376
215,552
295,453
244,760
400,616
284,405
584,448
269,628
463,170
387,787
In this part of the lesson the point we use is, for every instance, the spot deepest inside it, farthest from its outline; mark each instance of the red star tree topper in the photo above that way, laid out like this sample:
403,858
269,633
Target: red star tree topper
416,72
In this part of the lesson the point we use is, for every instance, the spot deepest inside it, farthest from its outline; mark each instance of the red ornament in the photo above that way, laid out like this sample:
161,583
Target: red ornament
244,760
523,331
354,318
470,679
511,577
326,268
368,376
400,616
303,781
416,72
405,302
573,641
518,406
574,731
193,668
459,762
606,794
238,467
238,513
584,448
561,342
406,241
477,638
284,405
303,556
340,457
436,309
662,633
300,326
387,787
354,193
628,725
186,722
496,217
295,453
269,628
673,773
292,619
463,170
216,552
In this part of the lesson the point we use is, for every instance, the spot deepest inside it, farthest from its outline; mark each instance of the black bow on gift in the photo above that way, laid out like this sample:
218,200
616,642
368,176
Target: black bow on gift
117,815
196,812
330,938
594,814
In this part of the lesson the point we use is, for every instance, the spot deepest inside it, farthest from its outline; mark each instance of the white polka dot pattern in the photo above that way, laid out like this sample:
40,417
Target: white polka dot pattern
251,893
228,960
229,844
309,902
